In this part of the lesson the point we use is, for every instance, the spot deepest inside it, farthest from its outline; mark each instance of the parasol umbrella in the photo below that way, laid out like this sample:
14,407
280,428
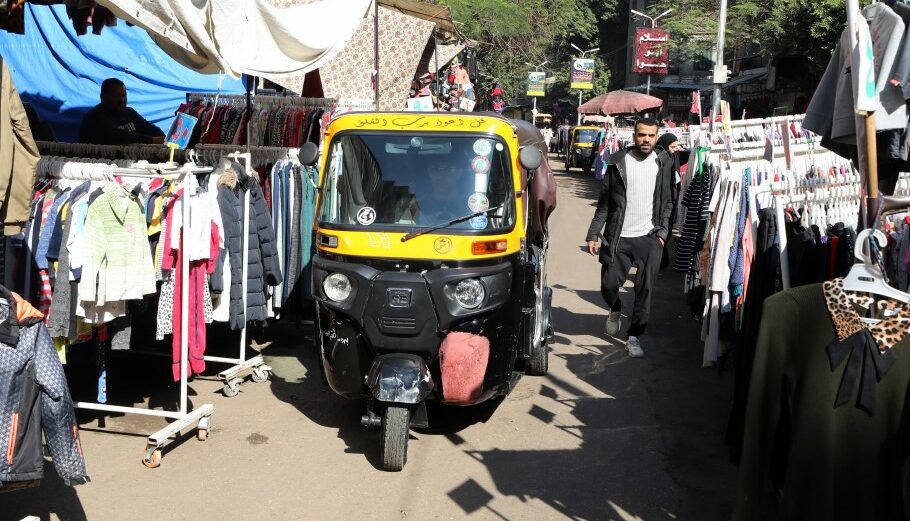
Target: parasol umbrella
620,102
597,118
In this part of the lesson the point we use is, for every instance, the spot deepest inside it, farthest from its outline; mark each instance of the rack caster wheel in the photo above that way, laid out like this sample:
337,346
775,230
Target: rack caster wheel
231,389
260,375
202,429
152,459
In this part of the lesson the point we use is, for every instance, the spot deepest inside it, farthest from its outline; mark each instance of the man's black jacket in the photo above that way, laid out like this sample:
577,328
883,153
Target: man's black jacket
101,126
611,204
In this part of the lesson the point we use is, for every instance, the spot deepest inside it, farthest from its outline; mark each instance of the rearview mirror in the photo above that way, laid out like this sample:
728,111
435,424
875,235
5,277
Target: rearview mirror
308,154
530,158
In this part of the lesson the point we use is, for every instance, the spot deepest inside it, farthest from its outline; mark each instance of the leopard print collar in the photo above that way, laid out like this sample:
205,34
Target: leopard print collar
887,333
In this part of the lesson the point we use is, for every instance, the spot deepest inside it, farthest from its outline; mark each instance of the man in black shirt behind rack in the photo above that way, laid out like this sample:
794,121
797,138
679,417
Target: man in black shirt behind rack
111,122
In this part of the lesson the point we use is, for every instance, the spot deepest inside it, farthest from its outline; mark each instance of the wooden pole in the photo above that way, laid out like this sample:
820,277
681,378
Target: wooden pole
376,54
871,172
867,147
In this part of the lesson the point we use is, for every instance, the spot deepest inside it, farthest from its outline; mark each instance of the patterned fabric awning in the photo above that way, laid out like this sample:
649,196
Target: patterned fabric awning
402,40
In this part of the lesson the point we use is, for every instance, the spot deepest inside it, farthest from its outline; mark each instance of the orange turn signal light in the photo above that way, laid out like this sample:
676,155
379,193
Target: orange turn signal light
487,247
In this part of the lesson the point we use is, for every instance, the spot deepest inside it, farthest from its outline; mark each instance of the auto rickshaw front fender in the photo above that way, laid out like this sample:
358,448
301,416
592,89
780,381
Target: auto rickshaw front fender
399,378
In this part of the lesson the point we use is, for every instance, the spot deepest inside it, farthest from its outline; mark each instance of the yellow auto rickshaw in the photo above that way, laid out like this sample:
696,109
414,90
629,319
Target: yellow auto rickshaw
429,273
581,152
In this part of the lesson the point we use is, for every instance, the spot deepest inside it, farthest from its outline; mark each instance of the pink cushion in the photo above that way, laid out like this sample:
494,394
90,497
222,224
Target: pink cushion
463,361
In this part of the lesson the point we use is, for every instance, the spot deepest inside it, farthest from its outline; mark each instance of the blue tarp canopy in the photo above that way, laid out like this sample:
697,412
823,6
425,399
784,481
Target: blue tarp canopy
60,73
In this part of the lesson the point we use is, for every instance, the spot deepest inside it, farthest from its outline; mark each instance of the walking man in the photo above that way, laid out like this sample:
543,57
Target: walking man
631,225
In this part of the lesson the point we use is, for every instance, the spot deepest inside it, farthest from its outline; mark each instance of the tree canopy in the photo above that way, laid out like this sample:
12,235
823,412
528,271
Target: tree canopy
513,32
777,27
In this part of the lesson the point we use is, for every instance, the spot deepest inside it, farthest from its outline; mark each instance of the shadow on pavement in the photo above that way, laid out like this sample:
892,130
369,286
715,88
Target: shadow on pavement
650,444
580,186
312,397
308,393
51,498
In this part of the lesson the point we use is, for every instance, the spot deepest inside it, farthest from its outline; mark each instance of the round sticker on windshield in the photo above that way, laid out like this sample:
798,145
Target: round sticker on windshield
366,215
479,222
478,202
480,165
499,147
482,147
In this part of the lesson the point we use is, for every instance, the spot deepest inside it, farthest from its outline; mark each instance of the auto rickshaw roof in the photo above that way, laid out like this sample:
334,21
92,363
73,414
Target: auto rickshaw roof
427,121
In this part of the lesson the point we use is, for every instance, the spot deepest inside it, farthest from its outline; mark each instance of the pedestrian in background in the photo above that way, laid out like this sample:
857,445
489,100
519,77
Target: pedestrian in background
630,227
678,157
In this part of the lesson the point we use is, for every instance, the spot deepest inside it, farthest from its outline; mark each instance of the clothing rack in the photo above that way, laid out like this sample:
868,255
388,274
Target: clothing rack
737,123
201,154
260,99
756,126
355,104
139,151
784,193
183,418
208,155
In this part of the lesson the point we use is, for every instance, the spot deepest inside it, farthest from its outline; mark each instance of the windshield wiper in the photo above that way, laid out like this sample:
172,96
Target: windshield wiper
412,235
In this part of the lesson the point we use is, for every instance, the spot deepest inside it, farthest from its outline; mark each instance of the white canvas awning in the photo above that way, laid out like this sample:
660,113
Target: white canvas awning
245,36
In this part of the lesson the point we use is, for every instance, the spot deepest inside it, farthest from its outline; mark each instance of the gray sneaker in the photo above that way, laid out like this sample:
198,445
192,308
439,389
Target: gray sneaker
613,323
633,346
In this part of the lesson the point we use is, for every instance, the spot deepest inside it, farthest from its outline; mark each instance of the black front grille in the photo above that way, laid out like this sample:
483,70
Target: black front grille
399,323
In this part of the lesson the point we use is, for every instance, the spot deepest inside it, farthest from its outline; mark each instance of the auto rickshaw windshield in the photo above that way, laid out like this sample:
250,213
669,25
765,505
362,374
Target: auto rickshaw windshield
585,136
406,180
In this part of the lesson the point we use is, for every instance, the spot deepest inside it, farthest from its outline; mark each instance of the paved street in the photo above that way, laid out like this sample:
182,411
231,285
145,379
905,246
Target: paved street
603,437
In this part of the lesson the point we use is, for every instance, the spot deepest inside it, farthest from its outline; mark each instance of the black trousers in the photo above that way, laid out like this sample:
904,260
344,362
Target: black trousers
644,253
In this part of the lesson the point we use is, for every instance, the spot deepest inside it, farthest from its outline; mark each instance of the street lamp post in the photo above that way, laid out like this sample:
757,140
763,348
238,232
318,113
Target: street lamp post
653,25
719,58
583,53
534,110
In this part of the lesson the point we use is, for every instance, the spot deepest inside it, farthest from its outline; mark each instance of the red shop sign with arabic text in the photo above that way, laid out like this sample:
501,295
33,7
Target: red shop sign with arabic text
652,53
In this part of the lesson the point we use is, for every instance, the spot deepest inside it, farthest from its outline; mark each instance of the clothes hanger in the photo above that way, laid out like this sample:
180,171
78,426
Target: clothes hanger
867,277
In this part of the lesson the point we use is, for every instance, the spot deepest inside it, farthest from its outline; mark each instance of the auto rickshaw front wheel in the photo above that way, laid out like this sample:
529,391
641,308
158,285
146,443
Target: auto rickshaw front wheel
396,422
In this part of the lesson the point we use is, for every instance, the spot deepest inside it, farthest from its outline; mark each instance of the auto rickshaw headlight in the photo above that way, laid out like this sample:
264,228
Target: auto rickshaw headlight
469,293
337,287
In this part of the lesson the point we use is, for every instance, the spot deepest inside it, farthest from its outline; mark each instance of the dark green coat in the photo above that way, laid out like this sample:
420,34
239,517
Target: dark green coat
802,458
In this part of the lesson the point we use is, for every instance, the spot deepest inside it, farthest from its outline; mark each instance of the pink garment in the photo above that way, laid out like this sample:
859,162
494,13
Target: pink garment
748,256
44,290
196,336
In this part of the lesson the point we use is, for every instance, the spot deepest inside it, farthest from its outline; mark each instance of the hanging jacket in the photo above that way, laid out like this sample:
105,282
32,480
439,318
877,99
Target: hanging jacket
263,269
18,157
34,398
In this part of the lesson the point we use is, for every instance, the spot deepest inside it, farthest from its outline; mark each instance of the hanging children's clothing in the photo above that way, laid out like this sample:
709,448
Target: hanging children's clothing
201,239
117,264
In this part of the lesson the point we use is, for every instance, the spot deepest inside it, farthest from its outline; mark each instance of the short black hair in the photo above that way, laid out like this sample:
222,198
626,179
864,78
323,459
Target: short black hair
109,84
648,122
